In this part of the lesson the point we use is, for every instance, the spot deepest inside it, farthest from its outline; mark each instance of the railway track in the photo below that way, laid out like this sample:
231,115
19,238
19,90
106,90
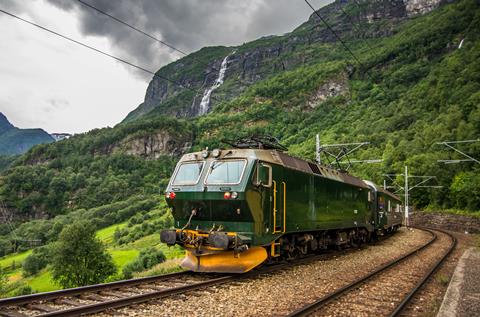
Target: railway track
100,297
387,290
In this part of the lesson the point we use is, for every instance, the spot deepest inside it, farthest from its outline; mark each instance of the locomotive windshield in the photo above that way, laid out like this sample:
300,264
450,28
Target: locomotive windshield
188,173
226,172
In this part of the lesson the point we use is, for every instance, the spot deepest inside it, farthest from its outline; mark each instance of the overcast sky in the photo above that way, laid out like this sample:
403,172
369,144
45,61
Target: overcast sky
47,82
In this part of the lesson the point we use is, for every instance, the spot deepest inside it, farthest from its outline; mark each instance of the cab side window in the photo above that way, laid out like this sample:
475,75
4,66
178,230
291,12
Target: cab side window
263,175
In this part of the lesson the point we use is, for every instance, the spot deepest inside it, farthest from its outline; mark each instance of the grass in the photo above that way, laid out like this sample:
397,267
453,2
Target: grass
106,234
42,282
169,266
153,240
17,258
122,257
442,279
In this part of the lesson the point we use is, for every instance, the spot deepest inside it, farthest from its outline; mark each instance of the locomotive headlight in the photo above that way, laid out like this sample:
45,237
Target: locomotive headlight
227,195
205,153
234,195
216,153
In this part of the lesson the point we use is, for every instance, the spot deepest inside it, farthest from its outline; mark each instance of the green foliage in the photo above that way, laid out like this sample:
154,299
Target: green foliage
145,260
465,190
79,258
36,261
6,161
144,224
23,289
3,282
421,89
6,246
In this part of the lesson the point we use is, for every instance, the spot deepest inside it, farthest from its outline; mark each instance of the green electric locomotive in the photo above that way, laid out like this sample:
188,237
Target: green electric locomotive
237,208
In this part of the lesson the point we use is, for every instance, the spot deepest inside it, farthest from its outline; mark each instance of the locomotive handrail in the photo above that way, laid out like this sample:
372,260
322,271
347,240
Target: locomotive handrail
284,207
274,208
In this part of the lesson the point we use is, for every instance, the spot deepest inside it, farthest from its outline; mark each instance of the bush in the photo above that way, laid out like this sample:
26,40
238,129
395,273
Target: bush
145,260
23,290
36,261
6,246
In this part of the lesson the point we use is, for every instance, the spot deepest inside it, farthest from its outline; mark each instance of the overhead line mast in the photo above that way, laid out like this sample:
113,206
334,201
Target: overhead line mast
407,187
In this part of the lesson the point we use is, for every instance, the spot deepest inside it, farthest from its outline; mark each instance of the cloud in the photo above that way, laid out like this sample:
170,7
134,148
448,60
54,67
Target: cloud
187,25
55,104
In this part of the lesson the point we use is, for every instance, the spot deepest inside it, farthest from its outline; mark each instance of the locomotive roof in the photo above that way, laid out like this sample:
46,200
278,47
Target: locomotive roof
281,158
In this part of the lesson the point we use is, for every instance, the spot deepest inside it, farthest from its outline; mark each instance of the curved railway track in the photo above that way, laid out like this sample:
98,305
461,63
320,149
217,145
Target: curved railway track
101,297
387,290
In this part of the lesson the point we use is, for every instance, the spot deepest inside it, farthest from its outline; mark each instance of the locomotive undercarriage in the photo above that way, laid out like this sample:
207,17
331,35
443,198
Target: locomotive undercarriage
226,252
295,245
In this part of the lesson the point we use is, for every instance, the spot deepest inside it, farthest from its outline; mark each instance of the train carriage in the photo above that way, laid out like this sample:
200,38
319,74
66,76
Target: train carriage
235,209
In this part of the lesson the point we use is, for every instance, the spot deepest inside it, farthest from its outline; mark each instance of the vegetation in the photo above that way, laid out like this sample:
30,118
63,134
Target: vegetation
79,258
36,261
421,88
146,259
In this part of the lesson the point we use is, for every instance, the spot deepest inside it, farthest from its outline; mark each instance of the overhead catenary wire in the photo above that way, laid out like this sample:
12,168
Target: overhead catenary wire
137,29
154,74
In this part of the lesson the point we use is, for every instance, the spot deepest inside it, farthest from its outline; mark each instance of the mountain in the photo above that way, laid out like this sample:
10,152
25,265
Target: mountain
255,61
416,83
15,141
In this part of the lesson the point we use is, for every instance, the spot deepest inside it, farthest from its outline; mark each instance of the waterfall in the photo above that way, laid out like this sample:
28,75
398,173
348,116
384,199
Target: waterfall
205,103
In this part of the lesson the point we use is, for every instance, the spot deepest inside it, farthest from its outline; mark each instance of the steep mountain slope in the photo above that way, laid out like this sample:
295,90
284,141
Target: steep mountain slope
17,141
265,57
421,87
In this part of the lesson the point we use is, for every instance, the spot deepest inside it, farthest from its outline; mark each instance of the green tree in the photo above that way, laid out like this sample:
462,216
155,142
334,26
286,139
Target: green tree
79,258
36,261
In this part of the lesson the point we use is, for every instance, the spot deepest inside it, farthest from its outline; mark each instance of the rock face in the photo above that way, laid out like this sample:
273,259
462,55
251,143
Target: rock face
269,55
332,88
153,145
415,7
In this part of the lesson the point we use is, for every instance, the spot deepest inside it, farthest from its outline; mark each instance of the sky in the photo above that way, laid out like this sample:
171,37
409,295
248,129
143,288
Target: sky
50,83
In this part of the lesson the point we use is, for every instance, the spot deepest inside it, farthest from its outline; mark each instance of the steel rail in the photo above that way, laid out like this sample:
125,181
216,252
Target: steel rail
403,304
19,300
138,298
310,308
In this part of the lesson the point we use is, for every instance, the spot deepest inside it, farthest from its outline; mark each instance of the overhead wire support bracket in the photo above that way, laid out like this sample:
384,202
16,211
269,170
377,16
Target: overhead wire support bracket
338,154
469,158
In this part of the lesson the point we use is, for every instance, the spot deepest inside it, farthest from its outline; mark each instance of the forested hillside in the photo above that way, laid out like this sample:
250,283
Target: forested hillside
416,85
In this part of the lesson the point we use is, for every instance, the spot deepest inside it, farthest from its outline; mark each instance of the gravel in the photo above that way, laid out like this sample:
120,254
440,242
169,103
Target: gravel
282,292
380,295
